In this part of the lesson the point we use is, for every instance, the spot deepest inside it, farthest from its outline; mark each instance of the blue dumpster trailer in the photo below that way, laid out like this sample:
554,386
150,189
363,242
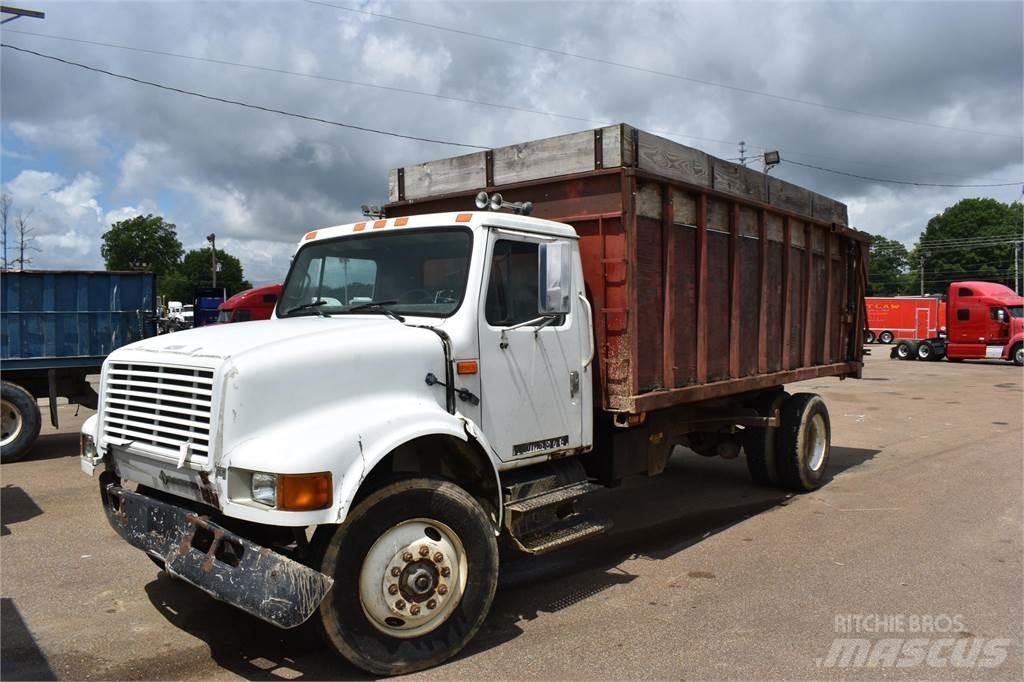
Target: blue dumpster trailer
56,328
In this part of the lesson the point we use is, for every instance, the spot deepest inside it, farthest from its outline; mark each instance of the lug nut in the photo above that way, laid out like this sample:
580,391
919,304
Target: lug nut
400,605
407,556
432,604
438,558
414,610
445,571
392,589
396,571
424,550
442,589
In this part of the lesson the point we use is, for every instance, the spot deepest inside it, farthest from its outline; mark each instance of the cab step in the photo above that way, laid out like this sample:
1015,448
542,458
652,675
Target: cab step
562,533
540,506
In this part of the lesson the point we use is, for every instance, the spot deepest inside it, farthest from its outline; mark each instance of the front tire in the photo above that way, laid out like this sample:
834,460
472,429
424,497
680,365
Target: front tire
804,442
19,422
1017,354
415,567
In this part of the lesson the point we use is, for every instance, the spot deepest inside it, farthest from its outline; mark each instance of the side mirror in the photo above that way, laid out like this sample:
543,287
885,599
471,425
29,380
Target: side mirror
554,268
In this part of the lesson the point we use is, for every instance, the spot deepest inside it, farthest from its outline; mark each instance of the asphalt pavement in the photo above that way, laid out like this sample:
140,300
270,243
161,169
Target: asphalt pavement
917,537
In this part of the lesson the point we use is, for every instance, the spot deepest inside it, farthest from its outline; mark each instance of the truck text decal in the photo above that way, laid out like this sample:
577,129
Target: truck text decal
540,445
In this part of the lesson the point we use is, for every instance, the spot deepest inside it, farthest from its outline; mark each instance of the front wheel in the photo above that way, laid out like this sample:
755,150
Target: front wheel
804,442
415,567
1017,354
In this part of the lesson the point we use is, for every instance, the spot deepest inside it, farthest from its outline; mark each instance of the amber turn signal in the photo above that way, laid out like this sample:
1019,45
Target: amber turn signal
303,492
466,367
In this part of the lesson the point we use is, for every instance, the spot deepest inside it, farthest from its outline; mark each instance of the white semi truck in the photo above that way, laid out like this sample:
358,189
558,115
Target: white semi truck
437,381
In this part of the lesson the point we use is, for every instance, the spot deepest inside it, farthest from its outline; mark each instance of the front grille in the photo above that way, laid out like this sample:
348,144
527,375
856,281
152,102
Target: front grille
159,406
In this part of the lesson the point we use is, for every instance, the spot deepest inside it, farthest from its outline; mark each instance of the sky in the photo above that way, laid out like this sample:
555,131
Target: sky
942,82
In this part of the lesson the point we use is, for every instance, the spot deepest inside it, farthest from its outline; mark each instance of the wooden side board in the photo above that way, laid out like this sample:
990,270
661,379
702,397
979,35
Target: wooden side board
613,146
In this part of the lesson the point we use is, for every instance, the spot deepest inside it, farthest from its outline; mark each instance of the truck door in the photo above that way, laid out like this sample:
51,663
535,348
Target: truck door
921,326
532,379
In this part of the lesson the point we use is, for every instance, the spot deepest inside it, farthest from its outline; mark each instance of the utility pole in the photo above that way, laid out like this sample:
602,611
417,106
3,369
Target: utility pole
1016,249
743,153
17,13
212,238
922,275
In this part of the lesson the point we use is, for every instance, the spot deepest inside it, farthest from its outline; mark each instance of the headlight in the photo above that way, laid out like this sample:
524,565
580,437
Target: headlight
264,489
88,447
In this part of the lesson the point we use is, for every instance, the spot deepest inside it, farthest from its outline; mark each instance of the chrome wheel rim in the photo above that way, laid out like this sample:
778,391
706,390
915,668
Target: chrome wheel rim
817,439
1019,355
413,578
11,423
903,351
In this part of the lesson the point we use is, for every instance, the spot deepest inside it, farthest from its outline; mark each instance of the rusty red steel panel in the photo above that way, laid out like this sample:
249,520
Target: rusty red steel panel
697,294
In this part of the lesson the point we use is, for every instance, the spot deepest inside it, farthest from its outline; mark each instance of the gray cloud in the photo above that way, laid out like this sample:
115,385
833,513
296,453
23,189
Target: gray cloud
262,180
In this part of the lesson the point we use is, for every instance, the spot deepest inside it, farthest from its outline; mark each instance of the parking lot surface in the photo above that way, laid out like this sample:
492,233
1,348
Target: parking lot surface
705,575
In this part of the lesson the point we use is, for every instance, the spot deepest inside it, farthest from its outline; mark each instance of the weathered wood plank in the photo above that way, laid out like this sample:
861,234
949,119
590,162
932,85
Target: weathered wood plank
788,196
827,209
649,200
611,146
738,180
684,208
554,156
673,160
444,176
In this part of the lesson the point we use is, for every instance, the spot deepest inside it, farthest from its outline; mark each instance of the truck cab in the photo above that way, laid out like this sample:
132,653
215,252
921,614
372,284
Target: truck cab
248,305
985,320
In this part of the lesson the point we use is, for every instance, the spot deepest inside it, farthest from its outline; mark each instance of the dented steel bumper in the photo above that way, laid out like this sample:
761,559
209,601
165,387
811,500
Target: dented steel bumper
226,566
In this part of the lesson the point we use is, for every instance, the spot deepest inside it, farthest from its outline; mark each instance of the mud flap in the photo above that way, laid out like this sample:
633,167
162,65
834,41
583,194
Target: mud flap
226,566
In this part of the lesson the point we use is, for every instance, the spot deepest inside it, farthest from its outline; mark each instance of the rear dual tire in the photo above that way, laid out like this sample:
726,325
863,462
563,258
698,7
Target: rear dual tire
20,421
795,454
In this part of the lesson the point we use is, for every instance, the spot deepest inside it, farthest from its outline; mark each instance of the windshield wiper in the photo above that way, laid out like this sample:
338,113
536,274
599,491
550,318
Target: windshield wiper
314,306
376,307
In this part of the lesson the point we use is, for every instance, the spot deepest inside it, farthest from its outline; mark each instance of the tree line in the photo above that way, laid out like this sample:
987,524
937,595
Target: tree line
151,244
971,240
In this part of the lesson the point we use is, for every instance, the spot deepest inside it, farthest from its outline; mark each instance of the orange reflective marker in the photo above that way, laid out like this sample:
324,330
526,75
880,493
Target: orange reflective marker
379,224
401,222
310,235
303,492
466,367
359,227
464,217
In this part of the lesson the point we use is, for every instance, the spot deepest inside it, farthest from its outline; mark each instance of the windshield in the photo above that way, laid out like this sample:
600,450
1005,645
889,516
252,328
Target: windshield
1017,310
421,272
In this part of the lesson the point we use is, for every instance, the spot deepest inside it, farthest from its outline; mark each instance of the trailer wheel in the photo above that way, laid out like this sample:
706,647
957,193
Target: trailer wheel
869,336
415,566
1017,354
925,351
804,442
886,337
19,422
905,350
759,443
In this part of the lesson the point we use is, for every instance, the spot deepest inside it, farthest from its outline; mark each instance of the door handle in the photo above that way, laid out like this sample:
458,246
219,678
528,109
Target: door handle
574,383
590,330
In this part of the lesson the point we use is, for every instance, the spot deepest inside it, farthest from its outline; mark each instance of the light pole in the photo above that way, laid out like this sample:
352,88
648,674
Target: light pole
212,238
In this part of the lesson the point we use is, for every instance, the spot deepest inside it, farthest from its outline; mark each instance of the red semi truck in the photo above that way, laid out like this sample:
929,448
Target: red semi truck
251,304
983,321
918,317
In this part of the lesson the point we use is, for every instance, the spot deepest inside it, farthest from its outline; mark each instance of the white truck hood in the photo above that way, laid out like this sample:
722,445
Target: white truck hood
222,341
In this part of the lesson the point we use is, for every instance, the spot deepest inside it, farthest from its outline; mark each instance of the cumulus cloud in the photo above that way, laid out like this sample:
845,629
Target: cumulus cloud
102,149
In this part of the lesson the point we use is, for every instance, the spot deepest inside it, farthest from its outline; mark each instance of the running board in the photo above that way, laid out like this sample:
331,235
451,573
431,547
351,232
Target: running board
562,533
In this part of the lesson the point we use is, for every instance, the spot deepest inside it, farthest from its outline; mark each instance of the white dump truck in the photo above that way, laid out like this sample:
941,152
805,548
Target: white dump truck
441,379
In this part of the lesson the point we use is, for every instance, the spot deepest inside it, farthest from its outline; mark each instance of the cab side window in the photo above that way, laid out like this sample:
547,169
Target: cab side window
512,288
963,314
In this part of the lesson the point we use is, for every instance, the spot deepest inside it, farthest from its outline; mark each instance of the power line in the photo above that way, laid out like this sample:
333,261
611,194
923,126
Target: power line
642,69
896,182
389,88
224,100
345,81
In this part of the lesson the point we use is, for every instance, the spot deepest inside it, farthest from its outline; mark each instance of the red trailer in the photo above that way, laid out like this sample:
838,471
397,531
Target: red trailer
892,317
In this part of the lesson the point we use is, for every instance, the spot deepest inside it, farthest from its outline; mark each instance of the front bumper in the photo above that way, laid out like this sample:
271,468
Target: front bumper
226,566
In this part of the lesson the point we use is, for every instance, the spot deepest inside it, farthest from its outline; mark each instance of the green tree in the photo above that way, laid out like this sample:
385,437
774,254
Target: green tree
947,261
195,271
142,243
887,266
